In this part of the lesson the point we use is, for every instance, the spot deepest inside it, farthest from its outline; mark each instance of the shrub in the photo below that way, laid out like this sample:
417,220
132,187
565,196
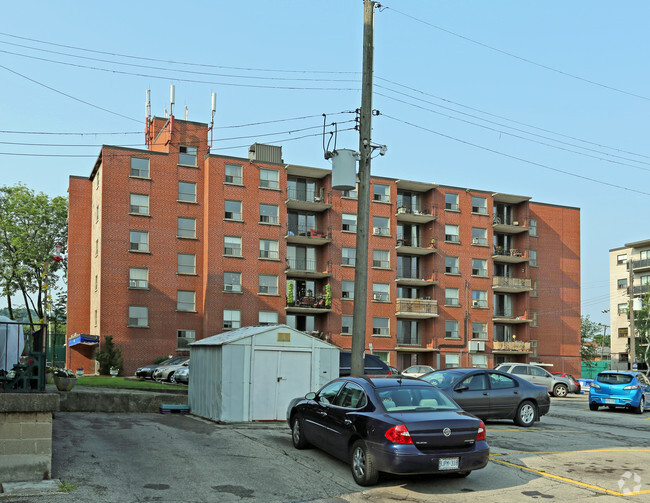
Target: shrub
109,356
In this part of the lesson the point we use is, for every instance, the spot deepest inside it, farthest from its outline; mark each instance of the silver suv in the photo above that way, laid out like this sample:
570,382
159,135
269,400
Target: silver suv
556,385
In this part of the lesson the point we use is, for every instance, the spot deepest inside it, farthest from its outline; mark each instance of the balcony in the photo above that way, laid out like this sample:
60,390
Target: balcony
503,225
511,285
308,304
304,268
641,289
414,247
641,265
408,277
510,255
415,215
308,236
501,315
416,308
307,200
511,347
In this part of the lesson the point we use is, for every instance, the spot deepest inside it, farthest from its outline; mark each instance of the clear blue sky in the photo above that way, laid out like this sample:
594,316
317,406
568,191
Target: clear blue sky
544,99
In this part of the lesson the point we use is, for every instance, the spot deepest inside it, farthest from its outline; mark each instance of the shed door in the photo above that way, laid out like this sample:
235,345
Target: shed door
278,376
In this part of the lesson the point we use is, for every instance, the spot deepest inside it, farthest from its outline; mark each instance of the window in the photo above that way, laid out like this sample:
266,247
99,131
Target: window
533,258
408,333
95,316
185,300
139,205
451,297
232,246
621,283
139,167
96,282
622,308
452,360
269,214
269,249
533,285
451,265
348,255
381,258
269,178
380,326
233,174
451,201
347,289
97,247
346,324
622,332
380,292
500,381
349,222
138,316
451,329
186,227
479,361
479,236
479,267
451,233
380,226
479,298
232,282
97,213
352,397
479,330
187,192
534,319
479,205
232,210
268,284
533,227
621,259
186,263
267,318
231,318
352,194
139,241
185,338
187,155
381,192
138,277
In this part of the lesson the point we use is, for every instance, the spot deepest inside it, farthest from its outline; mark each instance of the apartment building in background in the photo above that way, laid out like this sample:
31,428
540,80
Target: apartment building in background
171,244
637,254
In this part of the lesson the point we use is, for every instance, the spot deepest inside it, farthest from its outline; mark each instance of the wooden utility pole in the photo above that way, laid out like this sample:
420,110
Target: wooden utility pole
632,351
363,197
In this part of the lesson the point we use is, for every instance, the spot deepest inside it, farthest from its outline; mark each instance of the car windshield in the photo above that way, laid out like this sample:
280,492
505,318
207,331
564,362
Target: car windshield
442,378
414,399
614,378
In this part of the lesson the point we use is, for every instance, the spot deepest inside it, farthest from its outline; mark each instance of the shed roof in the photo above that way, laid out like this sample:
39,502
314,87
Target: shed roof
245,332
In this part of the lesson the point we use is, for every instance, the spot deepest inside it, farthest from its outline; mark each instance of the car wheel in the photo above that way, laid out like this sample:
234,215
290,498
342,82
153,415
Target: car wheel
362,464
172,377
560,390
593,406
297,436
526,414
641,407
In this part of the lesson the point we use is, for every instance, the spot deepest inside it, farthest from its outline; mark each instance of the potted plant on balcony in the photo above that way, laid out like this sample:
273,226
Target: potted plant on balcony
328,296
290,298
64,379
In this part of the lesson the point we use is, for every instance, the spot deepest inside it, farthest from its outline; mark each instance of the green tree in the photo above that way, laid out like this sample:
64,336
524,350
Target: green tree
642,329
109,356
588,332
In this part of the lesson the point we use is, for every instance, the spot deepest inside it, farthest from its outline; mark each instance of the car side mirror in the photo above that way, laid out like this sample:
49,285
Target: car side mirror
310,396
462,387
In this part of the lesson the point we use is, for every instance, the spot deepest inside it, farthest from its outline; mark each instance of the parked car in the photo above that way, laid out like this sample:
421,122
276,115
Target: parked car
492,394
630,390
373,365
166,372
556,385
417,370
389,424
394,371
182,375
146,372
576,383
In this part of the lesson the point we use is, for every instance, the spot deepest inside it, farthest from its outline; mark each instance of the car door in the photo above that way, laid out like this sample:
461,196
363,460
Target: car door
540,376
505,395
644,382
315,413
472,394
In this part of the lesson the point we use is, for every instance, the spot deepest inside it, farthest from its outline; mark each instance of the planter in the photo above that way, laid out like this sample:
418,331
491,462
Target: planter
49,378
114,372
64,383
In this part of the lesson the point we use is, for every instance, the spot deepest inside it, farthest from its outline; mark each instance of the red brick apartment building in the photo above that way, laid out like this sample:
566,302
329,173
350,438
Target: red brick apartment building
171,244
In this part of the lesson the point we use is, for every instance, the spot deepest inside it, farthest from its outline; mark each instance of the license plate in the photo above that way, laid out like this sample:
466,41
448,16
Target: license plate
448,464
610,400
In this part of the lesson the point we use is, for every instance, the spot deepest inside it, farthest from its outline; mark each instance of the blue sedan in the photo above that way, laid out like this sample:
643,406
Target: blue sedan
393,425
630,390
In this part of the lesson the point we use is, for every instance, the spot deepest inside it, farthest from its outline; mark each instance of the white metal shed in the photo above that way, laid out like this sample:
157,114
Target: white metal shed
251,374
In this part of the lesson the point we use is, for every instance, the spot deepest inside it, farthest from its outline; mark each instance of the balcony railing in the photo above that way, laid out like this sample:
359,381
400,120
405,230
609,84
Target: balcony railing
301,264
641,264
510,252
639,289
521,346
408,273
408,340
504,282
306,195
303,230
417,306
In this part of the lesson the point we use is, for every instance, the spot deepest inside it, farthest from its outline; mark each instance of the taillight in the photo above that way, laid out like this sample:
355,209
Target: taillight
632,386
399,435
481,431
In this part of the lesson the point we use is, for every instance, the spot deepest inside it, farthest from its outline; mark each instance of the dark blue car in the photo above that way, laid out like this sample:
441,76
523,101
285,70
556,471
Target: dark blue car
630,390
387,424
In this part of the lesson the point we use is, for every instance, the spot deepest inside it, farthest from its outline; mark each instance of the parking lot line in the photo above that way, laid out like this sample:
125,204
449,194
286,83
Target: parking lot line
533,430
570,452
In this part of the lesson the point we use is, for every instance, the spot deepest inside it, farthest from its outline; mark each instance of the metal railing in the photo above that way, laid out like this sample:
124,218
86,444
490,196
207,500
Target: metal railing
306,231
510,346
502,281
301,264
417,306
22,357
306,195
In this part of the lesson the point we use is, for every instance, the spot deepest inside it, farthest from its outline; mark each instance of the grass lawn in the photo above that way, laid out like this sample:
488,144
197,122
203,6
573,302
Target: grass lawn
121,382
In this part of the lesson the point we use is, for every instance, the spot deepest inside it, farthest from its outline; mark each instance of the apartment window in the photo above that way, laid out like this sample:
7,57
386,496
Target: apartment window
138,316
352,193
232,282
232,246
380,226
139,205
138,277
479,236
267,318
231,318
451,201
451,329
96,282
185,300
621,259
479,267
479,330
381,258
185,338
346,324
187,155
532,224
349,222
408,333
347,289
533,285
380,292
269,178
452,360
621,283
451,297
479,298
451,265
534,319
623,308
479,205
97,213
97,247
348,255
381,192
232,210
451,233
479,361
187,192
380,326
139,241
268,284
622,332
233,174
269,214
186,227
95,317
533,258
186,263
139,167
269,249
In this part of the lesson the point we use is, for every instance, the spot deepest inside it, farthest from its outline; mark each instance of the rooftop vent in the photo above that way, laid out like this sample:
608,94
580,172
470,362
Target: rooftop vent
265,153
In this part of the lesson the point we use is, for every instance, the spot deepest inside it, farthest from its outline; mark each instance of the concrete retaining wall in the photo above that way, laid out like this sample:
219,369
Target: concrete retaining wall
110,400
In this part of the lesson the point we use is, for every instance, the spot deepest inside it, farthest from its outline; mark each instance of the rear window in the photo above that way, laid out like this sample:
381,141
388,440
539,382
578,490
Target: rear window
614,378
442,378
414,399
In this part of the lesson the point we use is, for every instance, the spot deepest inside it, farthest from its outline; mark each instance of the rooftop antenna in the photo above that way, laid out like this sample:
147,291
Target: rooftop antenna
172,92
186,112
214,108
147,113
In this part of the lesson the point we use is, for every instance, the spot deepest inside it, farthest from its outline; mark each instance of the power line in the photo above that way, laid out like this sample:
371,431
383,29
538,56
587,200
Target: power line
69,133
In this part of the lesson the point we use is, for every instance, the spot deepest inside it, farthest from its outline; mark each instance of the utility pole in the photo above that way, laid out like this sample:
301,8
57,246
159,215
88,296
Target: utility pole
632,352
363,197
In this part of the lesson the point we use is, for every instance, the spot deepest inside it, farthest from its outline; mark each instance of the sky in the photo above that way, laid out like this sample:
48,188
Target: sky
543,99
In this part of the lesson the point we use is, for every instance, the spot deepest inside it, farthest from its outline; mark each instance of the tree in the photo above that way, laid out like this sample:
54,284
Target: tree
588,331
109,357
642,329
